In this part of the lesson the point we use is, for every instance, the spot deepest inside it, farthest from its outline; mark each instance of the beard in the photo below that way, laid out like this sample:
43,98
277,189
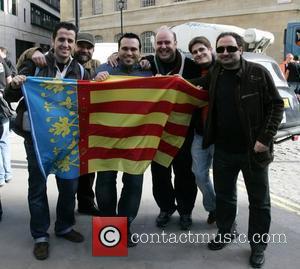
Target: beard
82,58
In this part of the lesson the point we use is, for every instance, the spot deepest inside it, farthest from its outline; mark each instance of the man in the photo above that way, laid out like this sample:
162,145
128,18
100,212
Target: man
288,58
292,75
4,56
5,114
169,61
201,51
129,50
83,53
5,167
60,64
244,113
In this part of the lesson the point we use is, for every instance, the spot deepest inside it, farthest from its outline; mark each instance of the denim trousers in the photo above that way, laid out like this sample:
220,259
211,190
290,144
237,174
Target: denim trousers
5,166
202,160
226,167
130,199
38,200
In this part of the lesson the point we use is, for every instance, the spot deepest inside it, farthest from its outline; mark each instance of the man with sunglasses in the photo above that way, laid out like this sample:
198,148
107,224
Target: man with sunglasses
244,113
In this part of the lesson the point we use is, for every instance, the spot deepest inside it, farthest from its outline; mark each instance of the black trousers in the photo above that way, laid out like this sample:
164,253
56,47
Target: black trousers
183,194
85,193
226,167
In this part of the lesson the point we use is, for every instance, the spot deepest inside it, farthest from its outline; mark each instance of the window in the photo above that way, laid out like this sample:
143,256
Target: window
42,18
98,39
297,40
179,0
120,4
24,14
12,7
53,3
117,37
146,42
2,5
97,7
147,3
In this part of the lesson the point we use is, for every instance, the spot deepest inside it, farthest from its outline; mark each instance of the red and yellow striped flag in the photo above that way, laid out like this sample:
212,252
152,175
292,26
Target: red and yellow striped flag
125,124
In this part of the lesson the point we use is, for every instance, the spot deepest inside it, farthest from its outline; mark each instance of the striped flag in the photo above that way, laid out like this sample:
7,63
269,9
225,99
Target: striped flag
82,126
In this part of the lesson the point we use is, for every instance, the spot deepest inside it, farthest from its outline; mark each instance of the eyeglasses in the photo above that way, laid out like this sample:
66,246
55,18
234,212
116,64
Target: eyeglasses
229,49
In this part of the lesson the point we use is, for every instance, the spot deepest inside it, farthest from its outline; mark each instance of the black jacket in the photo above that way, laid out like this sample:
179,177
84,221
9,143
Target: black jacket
259,105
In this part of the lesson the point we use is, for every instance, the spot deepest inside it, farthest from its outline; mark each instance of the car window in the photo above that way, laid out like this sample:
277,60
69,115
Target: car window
274,70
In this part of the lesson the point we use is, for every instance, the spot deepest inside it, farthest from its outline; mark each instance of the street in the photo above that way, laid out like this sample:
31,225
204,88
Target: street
16,243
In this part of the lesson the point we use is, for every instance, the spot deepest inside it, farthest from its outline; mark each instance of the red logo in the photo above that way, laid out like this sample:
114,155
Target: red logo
110,236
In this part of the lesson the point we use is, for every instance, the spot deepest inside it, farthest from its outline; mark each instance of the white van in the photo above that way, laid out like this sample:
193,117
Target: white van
103,50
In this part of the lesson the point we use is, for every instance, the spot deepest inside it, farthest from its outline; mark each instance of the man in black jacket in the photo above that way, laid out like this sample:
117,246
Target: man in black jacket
83,52
60,64
244,114
169,61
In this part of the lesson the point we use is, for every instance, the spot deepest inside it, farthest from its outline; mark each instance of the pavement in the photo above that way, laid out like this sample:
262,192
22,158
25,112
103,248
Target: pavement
16,244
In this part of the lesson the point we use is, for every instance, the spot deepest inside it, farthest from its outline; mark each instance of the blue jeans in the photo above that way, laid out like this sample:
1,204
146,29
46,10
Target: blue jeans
202,159
38,200
5,166
106,194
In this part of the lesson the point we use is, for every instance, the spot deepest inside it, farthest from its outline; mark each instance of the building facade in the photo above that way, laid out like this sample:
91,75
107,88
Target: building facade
102,17
24,24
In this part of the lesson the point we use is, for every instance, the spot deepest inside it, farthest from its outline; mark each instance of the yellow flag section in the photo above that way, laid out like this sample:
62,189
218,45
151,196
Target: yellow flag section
127,123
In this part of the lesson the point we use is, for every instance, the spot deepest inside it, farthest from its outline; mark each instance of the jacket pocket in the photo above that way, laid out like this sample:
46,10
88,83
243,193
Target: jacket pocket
252,107
262,159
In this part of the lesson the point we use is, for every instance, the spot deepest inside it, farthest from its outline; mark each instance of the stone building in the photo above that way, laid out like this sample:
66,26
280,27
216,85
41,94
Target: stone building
102,17
24,24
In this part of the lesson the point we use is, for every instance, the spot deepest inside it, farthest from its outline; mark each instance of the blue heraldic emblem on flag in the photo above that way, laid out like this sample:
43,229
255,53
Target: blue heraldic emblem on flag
55,130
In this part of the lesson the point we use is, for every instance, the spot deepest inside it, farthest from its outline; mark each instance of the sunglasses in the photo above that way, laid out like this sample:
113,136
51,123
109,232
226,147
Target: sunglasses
229,49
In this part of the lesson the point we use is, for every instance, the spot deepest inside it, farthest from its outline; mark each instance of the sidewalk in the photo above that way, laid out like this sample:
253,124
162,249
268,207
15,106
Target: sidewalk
16,243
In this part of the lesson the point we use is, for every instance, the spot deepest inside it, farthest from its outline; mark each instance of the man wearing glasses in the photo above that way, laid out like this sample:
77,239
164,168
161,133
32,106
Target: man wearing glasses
244,113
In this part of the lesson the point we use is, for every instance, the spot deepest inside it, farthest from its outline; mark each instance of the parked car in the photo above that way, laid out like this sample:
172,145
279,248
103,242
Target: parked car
290,125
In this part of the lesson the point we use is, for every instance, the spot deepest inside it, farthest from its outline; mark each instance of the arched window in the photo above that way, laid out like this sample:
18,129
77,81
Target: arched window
147,46
98,38
117,37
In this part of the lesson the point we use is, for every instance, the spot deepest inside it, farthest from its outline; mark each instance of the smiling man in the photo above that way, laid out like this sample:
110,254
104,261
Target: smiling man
181,195
106,192
60,64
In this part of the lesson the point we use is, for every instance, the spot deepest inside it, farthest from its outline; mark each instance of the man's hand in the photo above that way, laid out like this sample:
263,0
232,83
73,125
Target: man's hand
113,59
145,64
39,59
101,76
17,81
259,147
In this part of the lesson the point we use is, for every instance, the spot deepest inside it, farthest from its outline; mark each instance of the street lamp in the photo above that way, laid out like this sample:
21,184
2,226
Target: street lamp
121,4
77,12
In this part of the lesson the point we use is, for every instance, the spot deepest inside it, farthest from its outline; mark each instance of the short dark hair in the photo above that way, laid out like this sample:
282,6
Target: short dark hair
130,35
67,25
199,39
239,40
